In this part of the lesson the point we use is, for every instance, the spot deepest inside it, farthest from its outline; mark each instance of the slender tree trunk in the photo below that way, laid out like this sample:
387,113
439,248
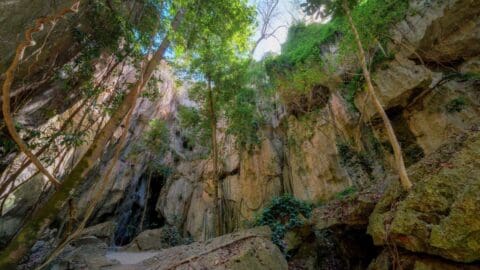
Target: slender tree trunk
31,231
397,150
9,78
213,126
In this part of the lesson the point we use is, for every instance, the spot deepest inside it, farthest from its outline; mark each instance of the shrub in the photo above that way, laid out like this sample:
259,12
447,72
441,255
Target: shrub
346,193
456,105
171,237
282,214
303,48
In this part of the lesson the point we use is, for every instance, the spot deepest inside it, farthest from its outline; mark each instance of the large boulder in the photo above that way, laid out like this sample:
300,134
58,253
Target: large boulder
84,253
390,259
439,216
250,249
156,239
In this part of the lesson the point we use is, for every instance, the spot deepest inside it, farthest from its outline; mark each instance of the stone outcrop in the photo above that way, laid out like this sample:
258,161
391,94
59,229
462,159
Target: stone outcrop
250,249
315,173
439,216
244,250
427,90
406,260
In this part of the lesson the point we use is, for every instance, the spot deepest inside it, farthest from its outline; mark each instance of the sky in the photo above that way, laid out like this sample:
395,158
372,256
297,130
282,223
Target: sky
288,11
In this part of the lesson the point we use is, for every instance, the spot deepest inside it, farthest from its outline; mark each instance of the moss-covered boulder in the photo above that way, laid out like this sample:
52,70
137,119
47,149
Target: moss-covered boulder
441,214
388,259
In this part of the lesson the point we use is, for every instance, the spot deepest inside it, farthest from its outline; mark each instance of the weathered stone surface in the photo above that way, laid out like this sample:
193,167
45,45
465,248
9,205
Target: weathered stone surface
396,86
148,240
18,205
249,249
439,215
432,120
13,27
353,211
83,253
314,170
200,220
406,260
103,231
174,201
440,31
258,181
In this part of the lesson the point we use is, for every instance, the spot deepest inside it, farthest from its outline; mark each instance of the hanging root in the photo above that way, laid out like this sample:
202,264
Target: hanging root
9,78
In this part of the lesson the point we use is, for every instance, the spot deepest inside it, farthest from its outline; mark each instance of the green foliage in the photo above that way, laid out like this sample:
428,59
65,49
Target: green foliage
156,139
345,152
162,171
156,142
217,62
7,145
195,126
304,42
243,119
73,138
151,91
348,192
282,214
374,19
351,88
303,48
116,102
171,237
456,105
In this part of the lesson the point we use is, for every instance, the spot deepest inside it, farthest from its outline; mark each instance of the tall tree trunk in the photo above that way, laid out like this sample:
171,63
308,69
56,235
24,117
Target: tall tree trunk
9,78
31,231
213,126
397,150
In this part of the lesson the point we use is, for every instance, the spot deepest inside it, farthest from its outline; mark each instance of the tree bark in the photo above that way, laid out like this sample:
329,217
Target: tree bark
30,232
213,126
9,78
397,150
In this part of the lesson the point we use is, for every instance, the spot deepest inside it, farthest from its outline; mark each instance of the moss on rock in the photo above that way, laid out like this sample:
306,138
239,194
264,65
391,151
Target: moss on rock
440,214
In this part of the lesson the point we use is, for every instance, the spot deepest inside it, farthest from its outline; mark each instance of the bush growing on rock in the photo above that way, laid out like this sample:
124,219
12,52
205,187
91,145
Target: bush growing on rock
282,214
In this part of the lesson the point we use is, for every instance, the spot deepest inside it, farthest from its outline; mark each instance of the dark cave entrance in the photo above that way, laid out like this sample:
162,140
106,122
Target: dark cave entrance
136,212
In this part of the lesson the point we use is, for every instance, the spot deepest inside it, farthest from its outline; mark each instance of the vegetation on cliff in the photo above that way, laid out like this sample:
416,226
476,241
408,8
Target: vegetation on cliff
285,127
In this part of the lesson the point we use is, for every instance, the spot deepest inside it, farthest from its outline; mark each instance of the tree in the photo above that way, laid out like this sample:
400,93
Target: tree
267,11
189,22
326,8
213,60
30,232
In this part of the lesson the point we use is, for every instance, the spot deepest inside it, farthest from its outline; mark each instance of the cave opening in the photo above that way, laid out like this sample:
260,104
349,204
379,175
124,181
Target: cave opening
137,213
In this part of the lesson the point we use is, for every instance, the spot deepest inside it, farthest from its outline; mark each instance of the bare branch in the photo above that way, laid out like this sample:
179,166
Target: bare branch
267,11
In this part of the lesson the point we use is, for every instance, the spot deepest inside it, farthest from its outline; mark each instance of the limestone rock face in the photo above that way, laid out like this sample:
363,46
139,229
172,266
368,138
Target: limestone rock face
396,85
439,215
440,31
315,173
175,201
83,253
103,231
412,261
155,239
249,249
259,180
435,118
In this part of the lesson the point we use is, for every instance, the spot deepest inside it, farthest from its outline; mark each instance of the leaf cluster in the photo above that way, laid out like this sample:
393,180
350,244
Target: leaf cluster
305,47
282,214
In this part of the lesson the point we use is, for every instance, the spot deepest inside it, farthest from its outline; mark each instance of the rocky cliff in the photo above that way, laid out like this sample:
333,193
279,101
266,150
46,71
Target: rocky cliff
430,89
